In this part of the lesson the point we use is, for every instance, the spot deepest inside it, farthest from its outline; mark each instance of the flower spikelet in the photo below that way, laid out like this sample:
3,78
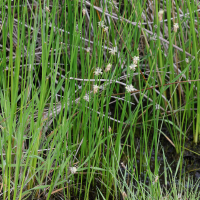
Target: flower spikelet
47,9
160,15
136,59
86,98
95,88
108,67
106,29
84,11
101,24
113,51
98,71
133,67
73,170
130,88
88,49
176,26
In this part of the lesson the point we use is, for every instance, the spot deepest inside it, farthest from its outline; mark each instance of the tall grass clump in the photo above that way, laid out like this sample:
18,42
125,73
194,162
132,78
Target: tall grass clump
91,94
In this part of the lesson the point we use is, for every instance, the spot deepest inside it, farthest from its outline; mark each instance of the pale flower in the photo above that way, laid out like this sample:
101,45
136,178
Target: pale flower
187,60
106,28
73,170
88,49
109,129
130,88
133,67
176,26
47,9
113,51
135,59
160,15
179,196
86,98
95,88
156,179
101,24
122,164
84,11
98,71
157,106
108,67
124,195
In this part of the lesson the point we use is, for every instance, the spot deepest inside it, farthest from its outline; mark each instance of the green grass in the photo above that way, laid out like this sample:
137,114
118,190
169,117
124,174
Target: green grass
61,138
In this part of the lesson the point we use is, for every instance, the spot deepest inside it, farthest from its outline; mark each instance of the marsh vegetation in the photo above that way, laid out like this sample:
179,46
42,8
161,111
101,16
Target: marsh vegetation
99,99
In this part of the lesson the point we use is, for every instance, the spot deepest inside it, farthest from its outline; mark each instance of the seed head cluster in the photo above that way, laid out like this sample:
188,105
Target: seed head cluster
160,15
113,51
95,88
98,71
86,98
134,64
176,26
130,88
108,67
